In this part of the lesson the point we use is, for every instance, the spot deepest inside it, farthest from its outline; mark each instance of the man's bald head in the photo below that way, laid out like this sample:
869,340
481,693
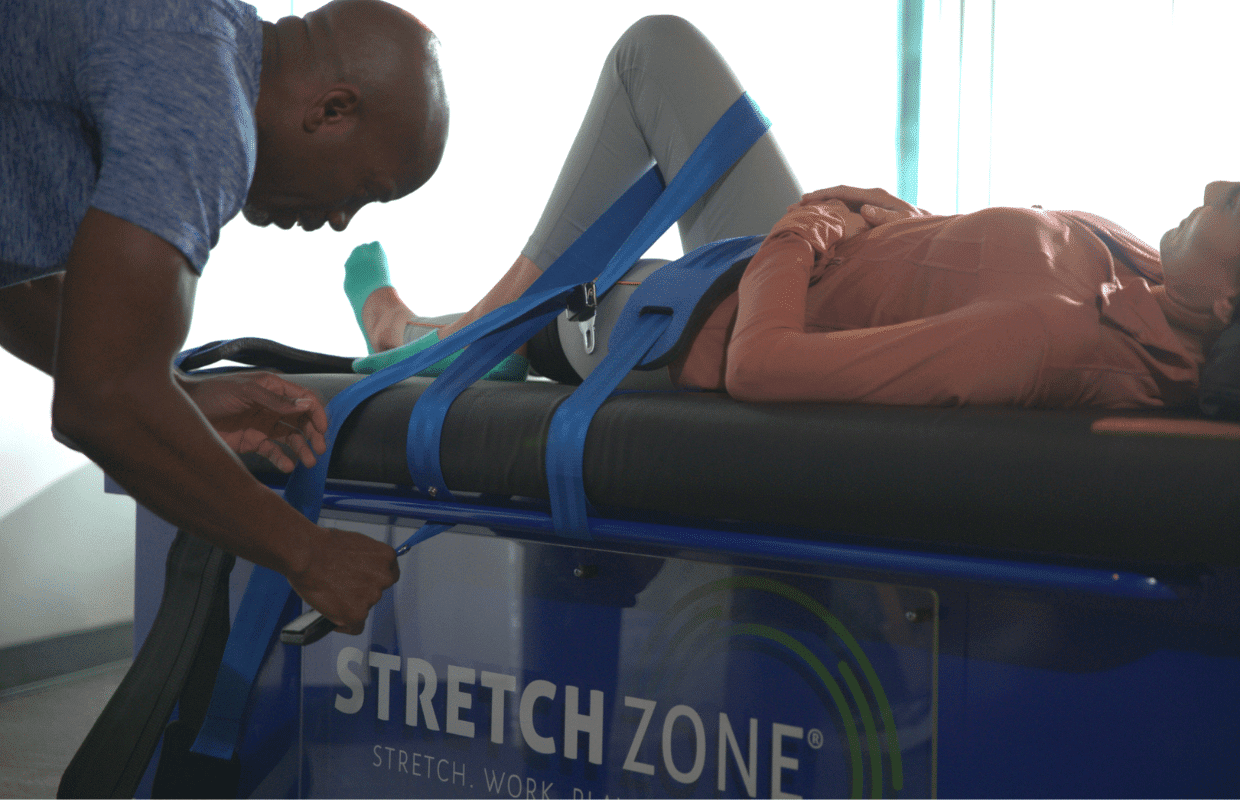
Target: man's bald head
351,109
393,59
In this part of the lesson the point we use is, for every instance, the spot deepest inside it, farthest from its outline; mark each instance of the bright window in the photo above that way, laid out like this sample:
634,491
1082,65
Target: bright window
1125,108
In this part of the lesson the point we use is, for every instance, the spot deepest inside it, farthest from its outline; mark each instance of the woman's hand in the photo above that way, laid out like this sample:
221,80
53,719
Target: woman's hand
874,206
854,223
256,412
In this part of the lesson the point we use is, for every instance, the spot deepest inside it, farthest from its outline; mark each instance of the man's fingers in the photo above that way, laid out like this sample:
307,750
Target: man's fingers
314,435
353,630
298,399
293,438
308,439
271,451
277,401
347,574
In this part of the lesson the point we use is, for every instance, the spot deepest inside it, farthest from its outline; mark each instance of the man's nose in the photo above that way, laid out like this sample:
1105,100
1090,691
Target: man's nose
340,220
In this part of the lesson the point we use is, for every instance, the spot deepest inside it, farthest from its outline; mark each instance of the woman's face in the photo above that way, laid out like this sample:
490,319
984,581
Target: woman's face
1209,238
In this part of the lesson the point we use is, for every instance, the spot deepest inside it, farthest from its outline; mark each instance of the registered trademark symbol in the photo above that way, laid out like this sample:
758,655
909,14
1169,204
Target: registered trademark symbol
814,737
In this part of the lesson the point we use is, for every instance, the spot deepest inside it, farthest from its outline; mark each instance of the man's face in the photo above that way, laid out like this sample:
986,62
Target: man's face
309,181
1209,238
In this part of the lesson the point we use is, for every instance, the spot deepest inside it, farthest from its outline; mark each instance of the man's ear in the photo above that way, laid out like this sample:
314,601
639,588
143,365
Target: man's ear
335,106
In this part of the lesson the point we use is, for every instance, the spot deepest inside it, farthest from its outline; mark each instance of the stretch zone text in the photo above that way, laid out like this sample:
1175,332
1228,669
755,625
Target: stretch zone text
422,683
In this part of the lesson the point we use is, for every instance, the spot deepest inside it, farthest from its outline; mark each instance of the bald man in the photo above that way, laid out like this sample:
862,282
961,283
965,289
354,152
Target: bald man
130,132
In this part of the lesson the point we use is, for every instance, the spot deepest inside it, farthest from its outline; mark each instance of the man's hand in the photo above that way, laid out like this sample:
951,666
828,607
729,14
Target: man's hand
125,310
256,412
344,574
876,206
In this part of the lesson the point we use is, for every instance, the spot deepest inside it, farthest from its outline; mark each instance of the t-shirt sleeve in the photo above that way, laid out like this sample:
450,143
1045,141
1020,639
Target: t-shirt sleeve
177,137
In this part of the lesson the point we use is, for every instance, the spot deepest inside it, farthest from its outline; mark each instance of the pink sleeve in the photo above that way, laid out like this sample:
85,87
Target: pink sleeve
813,223
987,352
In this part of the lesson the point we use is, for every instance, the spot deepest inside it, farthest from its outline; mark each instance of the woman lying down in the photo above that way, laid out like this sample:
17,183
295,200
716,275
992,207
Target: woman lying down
855,295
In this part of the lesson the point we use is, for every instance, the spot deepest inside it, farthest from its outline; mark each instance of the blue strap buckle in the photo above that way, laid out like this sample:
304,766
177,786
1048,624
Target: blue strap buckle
582,305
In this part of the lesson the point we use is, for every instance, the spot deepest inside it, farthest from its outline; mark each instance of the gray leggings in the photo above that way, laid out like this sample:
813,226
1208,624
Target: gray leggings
662,88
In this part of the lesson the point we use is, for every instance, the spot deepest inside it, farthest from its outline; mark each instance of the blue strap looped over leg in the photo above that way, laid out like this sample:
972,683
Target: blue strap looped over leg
736,131
261,611
650,324
728,140
576,265
259,615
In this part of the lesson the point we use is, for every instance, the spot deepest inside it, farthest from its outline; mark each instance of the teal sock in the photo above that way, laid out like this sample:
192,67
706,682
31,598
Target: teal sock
377,361
365,270
513,368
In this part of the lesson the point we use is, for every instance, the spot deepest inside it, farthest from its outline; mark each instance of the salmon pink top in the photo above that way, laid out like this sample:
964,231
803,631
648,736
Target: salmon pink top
1003,306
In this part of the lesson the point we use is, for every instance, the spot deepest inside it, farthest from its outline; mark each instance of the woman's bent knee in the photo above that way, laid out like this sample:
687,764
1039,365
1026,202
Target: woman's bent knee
658,34
661,29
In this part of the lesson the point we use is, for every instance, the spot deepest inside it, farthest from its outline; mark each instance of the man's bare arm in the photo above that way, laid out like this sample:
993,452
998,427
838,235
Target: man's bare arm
254,412
28,315
125,312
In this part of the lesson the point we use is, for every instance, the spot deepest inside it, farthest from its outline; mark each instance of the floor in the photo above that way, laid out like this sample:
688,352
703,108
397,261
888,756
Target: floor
41,726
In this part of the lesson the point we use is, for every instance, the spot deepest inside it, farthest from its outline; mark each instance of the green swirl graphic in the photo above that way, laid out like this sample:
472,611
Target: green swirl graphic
698,637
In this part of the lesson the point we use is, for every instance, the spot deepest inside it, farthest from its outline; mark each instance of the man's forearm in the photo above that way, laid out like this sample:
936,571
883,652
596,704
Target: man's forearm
125,311
152,439
107,430
29,314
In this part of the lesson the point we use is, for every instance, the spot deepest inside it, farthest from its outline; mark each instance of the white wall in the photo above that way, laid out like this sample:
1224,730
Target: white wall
519,76
66,560
1123,107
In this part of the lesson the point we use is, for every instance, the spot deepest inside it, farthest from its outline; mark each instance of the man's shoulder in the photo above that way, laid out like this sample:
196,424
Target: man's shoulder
202,51
178,156
231,20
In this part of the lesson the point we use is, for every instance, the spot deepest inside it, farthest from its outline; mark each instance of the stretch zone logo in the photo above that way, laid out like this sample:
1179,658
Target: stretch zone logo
694,628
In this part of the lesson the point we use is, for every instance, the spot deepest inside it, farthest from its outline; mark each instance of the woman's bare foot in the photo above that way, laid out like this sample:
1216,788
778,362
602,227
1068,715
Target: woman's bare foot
384,317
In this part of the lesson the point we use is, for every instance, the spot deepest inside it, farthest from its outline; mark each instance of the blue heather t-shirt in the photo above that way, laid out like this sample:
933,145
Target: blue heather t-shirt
140,108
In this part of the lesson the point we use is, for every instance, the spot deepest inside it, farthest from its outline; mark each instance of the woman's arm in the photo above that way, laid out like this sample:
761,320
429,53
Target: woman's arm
986,352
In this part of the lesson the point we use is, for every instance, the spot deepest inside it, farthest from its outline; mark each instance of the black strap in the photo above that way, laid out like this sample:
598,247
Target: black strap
264,353
187,638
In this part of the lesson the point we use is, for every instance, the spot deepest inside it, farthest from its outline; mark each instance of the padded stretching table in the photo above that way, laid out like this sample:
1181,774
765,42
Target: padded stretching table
777,600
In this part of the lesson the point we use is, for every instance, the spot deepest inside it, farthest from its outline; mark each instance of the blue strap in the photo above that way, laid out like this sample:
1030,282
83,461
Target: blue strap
260,612
650,324
261,609
740,127
248,643
426,531
676,290
578,264
728,140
